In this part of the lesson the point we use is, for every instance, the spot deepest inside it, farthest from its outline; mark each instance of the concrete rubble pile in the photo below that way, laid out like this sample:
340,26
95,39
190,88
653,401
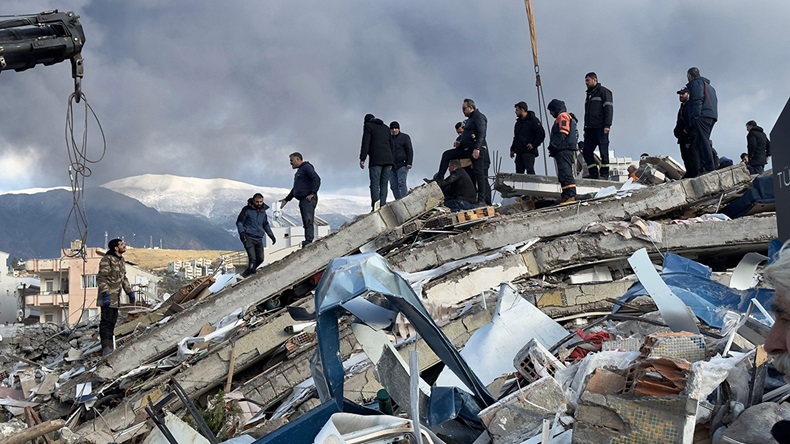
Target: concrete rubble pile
566,330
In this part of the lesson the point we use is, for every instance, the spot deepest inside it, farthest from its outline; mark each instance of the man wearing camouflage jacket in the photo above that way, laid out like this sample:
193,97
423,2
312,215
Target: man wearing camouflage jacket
111,279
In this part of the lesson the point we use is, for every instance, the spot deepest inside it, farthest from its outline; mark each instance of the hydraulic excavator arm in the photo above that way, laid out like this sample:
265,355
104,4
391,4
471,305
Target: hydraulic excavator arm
46,38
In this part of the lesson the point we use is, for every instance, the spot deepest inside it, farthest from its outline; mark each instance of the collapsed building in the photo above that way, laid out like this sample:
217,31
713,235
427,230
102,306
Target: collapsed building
566,331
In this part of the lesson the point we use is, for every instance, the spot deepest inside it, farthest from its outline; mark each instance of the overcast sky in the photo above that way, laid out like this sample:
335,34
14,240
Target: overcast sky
228,89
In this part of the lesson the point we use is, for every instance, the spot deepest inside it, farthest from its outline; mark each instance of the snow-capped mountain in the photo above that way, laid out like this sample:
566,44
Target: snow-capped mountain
220,200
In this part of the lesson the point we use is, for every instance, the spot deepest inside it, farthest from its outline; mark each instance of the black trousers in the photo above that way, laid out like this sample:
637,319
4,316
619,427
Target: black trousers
307,210
447,156
525,162
109,316
565,161
480,167
690,160
596,137
254,248
702,127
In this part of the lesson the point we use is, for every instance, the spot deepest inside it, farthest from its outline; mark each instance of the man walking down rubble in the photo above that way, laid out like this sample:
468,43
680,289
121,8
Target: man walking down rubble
528,134
253,224
702,115
403,156
473,138
598,114
758,148
111,279
459,190
377,145
682,133
563,147
305,190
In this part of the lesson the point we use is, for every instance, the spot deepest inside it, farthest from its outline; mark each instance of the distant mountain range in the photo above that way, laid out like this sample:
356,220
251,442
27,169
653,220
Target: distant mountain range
184,212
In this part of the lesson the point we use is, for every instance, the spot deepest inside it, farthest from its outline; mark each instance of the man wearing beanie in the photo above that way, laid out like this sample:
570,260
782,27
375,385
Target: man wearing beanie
562,148
376,144
403,155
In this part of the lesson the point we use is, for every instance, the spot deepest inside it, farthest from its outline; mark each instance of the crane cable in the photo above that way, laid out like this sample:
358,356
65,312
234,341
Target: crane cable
79,170
542,112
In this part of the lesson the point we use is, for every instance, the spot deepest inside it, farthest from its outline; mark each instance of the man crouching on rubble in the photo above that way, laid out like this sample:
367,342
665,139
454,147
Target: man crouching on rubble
111,279
777,343
563,148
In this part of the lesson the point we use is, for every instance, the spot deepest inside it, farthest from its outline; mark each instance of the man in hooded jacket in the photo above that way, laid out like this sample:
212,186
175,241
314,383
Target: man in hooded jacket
403,156
376,144
598,115
252,224
528,134
702,115
758,148
563,148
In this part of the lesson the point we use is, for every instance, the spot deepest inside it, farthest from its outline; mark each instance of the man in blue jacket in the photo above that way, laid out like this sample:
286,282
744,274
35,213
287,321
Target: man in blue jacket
563,148
702,115
305,190
403,156
252,224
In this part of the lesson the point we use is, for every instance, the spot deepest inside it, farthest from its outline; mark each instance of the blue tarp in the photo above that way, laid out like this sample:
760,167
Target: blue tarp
708,299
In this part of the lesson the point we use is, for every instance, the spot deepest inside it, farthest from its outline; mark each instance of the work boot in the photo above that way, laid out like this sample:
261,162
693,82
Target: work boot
306,243
433,179
105,351
604,173
567,200
593,172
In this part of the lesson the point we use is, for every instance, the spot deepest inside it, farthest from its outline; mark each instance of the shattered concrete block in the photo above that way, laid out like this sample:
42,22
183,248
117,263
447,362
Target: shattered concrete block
534,362
650,174
627,344
680,345
634,420
512,418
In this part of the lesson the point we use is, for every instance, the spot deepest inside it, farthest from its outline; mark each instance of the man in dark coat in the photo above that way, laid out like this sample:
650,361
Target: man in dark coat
403,156
473,138
111,280
598,114
702,115
305,190
459,191
683,133
376,144
758,148
563,147
528,134
253,224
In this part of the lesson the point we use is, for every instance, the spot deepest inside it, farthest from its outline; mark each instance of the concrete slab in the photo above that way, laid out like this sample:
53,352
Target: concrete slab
511,184
556,221
272,280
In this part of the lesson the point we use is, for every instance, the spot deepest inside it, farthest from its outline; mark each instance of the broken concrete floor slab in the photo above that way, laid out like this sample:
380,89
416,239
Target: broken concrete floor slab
278,277
498,232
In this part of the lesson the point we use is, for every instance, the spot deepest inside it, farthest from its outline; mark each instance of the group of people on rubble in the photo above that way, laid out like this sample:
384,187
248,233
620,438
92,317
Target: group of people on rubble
697,115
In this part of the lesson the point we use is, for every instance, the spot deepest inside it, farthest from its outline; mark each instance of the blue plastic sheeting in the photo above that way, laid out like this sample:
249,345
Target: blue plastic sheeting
305,429
448,403
708,299
674,263
349,277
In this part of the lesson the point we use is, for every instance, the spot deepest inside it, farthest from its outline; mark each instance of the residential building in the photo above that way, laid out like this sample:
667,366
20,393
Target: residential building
69,293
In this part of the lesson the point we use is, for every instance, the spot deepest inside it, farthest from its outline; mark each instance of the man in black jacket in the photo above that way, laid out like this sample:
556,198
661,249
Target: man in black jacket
376,144
473,138
528,134
598,114
305,190
459,191
562,147
702,115
253,224
758,148
403,155
682,133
